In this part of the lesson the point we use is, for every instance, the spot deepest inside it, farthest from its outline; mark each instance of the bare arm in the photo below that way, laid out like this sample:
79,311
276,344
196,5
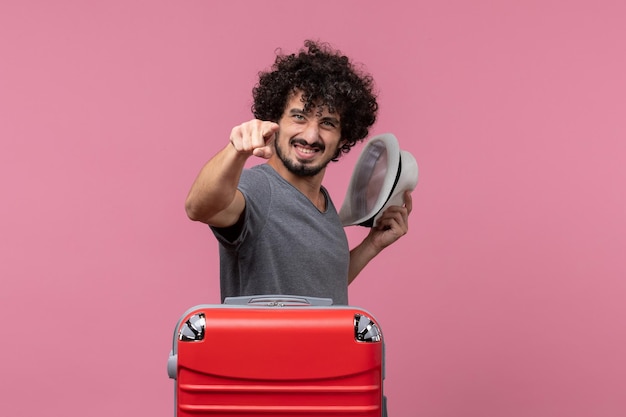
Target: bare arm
393,224
213,197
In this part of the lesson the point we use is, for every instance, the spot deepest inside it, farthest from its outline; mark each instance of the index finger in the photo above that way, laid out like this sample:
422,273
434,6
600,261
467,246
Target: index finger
268,130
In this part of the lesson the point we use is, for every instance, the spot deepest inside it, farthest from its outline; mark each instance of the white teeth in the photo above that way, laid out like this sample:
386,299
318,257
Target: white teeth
305,150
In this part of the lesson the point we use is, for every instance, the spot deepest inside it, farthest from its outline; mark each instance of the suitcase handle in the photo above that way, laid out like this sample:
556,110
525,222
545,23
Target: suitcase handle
278,300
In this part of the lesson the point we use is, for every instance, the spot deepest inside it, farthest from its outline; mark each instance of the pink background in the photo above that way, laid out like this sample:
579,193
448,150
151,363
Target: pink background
507,298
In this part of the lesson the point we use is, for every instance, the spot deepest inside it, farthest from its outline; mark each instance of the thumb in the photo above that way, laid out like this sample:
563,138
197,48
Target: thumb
263,152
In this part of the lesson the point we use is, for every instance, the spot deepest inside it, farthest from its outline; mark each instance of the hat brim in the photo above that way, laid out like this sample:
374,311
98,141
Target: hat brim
398,174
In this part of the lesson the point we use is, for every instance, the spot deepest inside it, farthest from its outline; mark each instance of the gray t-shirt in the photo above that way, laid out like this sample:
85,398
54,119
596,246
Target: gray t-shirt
284,244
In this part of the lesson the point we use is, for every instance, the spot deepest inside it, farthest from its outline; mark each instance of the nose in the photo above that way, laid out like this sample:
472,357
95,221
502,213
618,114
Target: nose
311,133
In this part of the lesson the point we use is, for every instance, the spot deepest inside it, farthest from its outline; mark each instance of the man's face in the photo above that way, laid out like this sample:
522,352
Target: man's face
307,142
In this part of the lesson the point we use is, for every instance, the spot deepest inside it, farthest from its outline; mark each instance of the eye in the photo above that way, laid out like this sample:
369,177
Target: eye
329,124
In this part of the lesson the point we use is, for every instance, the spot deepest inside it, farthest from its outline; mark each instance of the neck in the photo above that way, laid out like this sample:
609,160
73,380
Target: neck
310,186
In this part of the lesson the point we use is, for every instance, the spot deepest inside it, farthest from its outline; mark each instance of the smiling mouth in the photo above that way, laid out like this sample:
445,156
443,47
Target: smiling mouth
305,148
308,151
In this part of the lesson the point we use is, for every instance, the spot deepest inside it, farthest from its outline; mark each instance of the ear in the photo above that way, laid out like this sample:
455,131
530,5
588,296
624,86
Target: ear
338,152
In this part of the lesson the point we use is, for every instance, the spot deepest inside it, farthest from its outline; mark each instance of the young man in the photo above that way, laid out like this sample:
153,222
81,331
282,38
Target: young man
278,229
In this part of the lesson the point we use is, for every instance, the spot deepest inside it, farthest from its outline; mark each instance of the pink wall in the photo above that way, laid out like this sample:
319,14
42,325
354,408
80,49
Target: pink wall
506,298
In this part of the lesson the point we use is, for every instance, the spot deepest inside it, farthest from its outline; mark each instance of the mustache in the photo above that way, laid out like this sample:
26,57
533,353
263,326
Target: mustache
302,142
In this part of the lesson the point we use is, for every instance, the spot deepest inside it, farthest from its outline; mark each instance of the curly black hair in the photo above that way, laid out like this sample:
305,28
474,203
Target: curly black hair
326,78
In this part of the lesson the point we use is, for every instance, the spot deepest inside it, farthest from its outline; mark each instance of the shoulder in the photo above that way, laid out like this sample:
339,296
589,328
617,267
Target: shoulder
256,173
256,185
253,177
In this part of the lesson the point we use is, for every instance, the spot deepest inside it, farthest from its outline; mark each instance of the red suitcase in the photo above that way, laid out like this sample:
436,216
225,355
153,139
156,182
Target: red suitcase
277,356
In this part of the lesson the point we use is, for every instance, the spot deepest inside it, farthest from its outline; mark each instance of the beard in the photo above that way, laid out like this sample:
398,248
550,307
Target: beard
302,168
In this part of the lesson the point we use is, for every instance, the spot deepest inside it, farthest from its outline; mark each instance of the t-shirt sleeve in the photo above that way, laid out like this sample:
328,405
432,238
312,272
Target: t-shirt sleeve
256,190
